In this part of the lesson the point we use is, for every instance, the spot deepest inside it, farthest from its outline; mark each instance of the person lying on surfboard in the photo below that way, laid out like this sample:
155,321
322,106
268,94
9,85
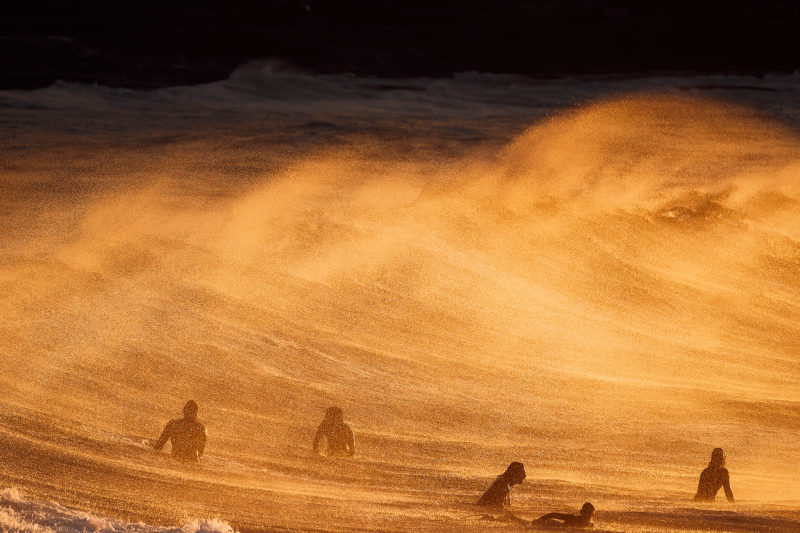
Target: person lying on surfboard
579,521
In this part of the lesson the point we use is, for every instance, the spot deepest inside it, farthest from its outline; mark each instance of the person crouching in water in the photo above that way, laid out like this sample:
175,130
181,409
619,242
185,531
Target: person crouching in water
498,495
338,435
188,436
714,477
582,520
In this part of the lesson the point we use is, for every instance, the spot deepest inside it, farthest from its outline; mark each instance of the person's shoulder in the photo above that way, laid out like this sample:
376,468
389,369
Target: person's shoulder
200,426
498,484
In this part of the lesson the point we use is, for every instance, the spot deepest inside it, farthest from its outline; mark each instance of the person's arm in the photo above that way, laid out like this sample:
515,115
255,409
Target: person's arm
555,516
699,497
165,435
351,443
201,446
726,484
317,438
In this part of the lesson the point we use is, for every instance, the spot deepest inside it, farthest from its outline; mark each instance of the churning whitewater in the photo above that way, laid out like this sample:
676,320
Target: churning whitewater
597,278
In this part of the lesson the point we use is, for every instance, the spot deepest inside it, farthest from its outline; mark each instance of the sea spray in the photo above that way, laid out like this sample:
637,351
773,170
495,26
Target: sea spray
604,291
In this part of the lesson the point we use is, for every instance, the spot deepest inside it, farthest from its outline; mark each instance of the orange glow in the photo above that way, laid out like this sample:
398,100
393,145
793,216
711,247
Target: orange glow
607,298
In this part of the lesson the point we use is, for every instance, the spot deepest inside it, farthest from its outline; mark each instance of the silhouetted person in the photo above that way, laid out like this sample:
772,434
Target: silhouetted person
338,435
582,520
498,494
188,436
714,477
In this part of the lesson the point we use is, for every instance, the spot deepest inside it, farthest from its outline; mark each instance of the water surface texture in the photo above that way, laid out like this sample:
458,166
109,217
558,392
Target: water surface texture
596,277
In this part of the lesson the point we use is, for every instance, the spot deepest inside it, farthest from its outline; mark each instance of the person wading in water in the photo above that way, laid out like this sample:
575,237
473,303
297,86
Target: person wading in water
338,435
188,436
714,477
498,495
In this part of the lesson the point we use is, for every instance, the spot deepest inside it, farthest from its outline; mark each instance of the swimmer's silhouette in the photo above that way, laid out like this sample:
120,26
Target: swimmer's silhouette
338,435
582,520
714,477
498,494
188,436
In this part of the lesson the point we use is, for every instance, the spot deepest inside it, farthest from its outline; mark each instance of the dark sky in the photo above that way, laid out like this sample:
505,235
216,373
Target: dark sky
157,43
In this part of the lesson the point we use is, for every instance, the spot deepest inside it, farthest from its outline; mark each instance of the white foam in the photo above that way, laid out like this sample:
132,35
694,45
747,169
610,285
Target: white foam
18,514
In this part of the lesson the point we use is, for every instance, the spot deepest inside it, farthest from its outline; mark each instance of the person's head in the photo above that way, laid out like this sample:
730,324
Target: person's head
717,458
190,410
515,473
334,415
587,511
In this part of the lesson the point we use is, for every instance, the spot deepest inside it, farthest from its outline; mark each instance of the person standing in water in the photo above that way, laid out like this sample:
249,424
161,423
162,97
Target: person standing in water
580,521
338,435
714,477
188,436
498,495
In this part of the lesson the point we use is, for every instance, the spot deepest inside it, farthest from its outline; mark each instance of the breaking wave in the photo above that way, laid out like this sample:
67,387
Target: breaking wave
605,296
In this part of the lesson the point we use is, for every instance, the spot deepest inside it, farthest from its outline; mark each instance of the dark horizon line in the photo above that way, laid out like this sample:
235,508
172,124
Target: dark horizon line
182,78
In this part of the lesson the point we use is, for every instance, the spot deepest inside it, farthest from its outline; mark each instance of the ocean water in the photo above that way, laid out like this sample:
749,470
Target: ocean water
597,277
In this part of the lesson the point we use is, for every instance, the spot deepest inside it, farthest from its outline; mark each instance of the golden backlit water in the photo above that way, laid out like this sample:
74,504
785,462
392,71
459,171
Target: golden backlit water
604,291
